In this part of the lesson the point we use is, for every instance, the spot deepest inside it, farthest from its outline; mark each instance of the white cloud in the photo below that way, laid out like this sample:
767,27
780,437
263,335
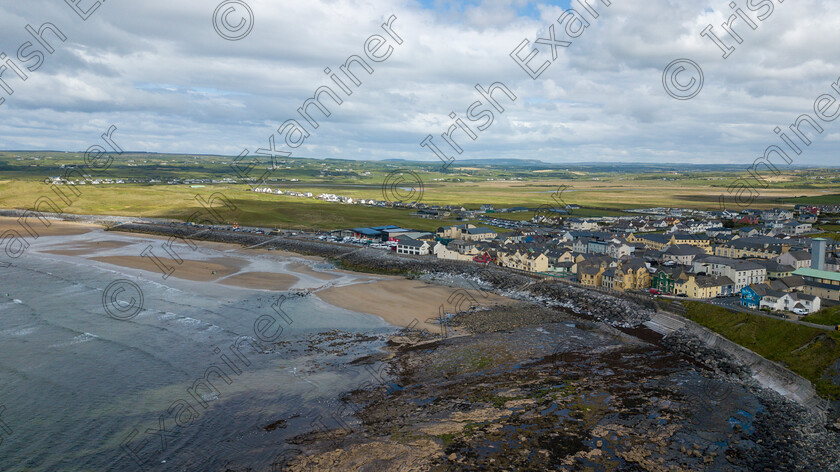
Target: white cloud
158,70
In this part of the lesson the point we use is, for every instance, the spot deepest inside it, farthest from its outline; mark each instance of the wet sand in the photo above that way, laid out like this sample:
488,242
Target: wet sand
306,270
41,228
86,248
396,300
401,302
261,280
199,271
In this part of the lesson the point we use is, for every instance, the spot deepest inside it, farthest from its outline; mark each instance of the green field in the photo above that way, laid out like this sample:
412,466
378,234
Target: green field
809,352
826,316
833,199
156,187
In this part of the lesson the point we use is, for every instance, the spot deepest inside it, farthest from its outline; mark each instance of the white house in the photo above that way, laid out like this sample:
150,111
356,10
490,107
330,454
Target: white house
795,259
800,303
412,246
619,250
743,273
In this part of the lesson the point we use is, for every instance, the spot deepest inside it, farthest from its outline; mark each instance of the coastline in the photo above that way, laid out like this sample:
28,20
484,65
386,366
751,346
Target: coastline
475,351
400,302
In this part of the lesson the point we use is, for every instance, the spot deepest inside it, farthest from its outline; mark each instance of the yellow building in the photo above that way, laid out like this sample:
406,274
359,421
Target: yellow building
701,286
454,232
662,241
591,276
751,247
524,260
631,275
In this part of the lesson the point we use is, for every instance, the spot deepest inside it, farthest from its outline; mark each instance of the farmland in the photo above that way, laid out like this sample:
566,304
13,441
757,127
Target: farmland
158,185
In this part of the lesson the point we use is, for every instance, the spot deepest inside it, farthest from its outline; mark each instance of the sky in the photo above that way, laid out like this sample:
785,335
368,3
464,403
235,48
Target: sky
161,73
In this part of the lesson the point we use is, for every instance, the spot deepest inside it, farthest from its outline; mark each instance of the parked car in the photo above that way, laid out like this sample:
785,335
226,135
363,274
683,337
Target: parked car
655,291
800,311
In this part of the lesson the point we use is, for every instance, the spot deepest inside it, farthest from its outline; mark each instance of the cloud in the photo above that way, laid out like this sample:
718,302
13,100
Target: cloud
159,71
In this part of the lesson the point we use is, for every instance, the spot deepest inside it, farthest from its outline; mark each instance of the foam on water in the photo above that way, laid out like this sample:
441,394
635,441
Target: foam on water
136,369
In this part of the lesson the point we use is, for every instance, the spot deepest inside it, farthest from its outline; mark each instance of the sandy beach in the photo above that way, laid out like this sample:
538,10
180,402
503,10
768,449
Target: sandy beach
305,269
400,302
86,248
40,228
396,300
261,280
199,271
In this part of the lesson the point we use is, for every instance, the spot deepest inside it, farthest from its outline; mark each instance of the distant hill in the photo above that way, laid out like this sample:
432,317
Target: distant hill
484,162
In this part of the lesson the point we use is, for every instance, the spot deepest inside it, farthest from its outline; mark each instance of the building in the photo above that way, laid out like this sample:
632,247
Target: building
820,283
665,280
453,232
524,259
795,259
787,284
704,286
608,278
800,303
699,240
479,234
818,253
795,228
412,247
760,247
597,247
776,270
752,296
619,250
682,254
591,275
654,241
456,250
743,273
631,274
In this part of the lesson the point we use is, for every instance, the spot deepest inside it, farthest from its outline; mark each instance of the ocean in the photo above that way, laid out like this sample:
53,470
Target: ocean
185,383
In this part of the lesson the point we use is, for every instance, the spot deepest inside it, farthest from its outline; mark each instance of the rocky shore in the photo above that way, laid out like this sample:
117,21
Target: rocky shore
536,388
567,380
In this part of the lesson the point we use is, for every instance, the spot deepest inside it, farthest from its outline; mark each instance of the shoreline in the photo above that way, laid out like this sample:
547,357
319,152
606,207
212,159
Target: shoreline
622,311
398,301
619,310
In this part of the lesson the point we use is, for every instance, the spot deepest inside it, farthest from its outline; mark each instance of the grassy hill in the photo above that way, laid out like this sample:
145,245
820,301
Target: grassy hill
810,352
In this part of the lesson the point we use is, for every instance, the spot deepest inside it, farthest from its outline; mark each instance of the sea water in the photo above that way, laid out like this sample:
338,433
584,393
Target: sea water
81,390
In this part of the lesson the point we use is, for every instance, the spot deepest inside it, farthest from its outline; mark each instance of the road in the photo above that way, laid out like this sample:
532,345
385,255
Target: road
733,303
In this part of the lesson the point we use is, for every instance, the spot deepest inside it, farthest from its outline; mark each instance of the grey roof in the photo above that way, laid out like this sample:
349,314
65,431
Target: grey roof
411,242
736,264
800,255
773,266
799,296
480,231
713,281
683,250
766,291
690,237
589,269
793,281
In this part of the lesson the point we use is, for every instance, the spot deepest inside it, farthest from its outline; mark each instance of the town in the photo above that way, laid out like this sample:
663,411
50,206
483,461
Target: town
769,260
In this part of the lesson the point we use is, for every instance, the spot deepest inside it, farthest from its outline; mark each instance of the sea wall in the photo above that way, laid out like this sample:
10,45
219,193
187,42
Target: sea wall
768,373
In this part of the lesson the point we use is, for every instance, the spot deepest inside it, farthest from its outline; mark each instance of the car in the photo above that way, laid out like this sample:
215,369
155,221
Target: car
655,291
800,311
